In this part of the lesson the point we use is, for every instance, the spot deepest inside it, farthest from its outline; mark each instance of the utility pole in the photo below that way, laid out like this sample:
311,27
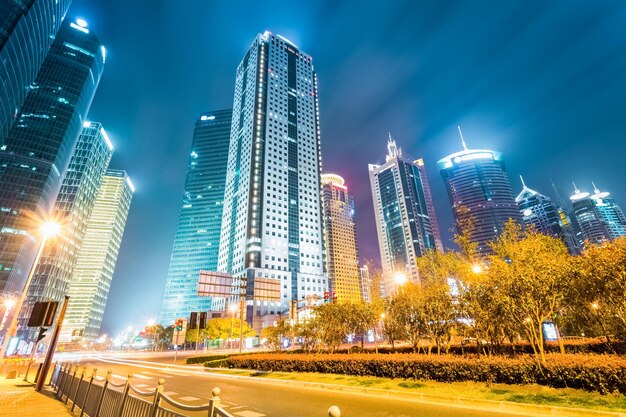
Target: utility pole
197,331
242,307
52,347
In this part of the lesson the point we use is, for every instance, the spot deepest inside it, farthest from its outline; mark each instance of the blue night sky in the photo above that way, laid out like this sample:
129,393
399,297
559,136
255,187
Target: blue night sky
544,82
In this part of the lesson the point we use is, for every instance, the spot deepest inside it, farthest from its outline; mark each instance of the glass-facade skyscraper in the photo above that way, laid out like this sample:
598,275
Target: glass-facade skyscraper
72,209
405,216
96,259
35,155
541,213
197,240
340,242
600,218
480,193
27,30
272,223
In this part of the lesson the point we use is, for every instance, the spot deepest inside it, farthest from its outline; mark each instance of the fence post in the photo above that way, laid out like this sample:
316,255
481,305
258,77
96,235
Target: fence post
157,397
214,402
82,375
334,411
59,381
53,385
69,390
67,375
104,389
124,395
86,397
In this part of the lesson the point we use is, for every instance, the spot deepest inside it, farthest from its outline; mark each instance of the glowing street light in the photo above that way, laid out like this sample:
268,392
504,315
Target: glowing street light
595,305
477,269
47,230
400,278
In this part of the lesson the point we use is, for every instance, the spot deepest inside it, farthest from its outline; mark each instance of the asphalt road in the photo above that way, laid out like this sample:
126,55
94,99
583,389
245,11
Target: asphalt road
255,397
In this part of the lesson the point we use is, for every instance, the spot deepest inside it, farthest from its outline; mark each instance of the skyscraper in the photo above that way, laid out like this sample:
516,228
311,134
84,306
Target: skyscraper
405,217
95,263
27,30
72,209
35,156
599,216
197,240
480,193
365,284
541,213
272,223
342,257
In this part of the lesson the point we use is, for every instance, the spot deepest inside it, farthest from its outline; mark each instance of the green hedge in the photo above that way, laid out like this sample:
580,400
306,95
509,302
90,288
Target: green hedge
602,373
208,358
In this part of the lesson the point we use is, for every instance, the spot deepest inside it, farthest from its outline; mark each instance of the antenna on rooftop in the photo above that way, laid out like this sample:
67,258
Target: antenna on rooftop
462,140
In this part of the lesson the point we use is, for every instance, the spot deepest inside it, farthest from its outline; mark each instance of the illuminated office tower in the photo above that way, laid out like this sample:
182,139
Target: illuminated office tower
600,218
342,257
27,30
405,216
95,264
197,240
36,153
365,284
541,213
272,223
480,193
72,209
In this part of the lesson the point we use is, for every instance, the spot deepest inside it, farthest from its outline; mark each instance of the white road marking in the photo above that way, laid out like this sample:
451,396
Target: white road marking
141,385
249,413
189,398
142,376
170,393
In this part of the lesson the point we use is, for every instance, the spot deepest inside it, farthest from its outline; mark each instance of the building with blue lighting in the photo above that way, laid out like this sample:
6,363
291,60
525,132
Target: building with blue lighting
405,215
480,193
27,30
541,213
197,239
35,155
600,218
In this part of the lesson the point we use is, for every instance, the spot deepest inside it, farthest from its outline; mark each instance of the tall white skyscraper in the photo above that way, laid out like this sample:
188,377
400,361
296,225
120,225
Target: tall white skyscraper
271,226
95,264
405,216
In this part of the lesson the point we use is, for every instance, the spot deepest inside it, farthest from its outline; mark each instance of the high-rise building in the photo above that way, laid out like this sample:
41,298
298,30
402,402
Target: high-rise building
600,218
72,209
365,284
197,240
95,263
480,193
27,30
272,223
405,217
36,153
541,213
342,255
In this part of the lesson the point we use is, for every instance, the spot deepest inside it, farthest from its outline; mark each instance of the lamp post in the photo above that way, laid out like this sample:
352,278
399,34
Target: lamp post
151,323
48,230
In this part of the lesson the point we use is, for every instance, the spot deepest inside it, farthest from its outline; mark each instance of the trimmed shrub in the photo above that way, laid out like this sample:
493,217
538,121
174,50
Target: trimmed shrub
602,373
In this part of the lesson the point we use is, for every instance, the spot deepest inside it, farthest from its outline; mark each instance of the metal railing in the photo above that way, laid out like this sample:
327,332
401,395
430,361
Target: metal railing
98,396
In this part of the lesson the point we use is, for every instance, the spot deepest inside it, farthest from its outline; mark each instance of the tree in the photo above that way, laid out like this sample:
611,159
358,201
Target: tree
220,329
360,318
530,272
332,324
277,333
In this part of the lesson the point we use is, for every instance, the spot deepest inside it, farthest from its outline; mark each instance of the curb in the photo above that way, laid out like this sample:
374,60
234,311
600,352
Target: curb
521,409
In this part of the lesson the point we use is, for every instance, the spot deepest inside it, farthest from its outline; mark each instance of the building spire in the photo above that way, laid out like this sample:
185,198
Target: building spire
576,190
523,183
595,189
392,150
462,139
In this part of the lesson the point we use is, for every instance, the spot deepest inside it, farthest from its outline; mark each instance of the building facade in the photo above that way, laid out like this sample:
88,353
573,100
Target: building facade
405,217
480,193
365,284
340,242
72,210
36,153
95,263
272,223
27,30
600,218
197,240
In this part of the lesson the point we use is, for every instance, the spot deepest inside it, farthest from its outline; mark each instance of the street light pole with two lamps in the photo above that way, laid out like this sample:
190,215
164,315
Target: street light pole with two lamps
48,231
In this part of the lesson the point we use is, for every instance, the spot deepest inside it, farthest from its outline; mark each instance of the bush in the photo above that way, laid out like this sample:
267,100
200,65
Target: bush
602,373
201,359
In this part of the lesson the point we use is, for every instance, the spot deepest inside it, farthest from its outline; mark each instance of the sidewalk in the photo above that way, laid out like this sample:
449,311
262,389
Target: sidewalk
18,398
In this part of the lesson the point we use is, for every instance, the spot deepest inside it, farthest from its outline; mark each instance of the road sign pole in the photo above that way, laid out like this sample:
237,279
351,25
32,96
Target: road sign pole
197,332
52,347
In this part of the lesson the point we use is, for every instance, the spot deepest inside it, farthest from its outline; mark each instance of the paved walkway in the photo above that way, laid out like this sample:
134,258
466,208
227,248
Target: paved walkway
18,398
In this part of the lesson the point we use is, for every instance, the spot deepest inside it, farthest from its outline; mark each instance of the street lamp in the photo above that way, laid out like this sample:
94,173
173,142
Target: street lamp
48,230
152,324
477,269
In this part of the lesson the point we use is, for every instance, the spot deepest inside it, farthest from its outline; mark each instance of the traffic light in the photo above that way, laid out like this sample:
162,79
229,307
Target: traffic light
193,320
203,320
326,296
179,325
42,331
